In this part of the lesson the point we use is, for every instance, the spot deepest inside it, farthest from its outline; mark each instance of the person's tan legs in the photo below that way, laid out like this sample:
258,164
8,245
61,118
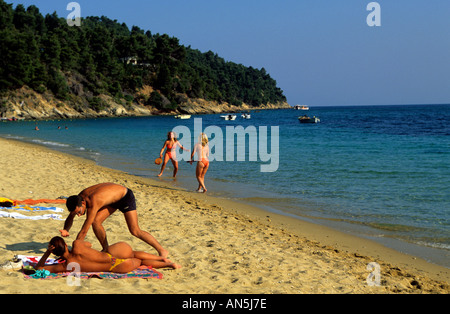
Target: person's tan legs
133,226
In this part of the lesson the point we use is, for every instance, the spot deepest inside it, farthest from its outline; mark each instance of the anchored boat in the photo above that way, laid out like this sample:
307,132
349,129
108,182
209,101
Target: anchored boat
306,119
229,117
183,116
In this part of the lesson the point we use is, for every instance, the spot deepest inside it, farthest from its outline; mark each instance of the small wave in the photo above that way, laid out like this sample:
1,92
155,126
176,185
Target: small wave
50,143
393,227
434,245
14,137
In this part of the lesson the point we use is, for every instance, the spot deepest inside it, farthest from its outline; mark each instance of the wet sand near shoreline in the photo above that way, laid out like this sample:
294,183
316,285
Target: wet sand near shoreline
223,246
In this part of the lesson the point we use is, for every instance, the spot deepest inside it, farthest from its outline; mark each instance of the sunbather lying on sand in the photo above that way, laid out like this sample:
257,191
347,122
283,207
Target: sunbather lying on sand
120,258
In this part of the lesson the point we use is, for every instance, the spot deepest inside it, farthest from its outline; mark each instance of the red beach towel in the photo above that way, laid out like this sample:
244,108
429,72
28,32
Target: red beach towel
34,202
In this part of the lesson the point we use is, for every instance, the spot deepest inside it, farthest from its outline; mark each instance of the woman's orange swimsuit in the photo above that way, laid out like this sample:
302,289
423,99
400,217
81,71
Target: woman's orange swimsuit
169,151
204,160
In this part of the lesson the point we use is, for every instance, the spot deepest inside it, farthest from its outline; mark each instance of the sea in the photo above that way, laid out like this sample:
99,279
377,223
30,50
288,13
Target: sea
378,172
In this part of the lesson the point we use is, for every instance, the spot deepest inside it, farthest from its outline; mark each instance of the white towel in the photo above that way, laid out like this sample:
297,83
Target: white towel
34,208
20,216
27,260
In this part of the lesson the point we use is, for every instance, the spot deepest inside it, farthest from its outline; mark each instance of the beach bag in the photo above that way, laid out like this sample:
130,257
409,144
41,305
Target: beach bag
5,202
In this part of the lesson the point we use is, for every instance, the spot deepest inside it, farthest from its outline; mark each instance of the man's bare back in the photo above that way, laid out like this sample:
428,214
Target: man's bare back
103,194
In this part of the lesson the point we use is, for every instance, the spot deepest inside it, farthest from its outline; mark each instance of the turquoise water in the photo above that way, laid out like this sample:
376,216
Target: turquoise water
379,171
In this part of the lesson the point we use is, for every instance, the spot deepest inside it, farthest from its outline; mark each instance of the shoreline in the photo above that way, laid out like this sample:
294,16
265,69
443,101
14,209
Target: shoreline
432,255
332,237
236,232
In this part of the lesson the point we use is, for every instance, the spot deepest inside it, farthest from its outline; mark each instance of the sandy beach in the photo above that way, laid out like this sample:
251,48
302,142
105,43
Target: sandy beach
223,246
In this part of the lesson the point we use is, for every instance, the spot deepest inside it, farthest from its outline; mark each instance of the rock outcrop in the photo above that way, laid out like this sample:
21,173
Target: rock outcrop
26,103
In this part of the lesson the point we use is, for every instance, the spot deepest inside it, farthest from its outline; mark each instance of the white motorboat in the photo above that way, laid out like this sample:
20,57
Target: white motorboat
183,116
230,117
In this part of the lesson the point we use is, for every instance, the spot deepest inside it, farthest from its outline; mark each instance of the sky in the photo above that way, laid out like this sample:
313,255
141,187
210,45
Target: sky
320,52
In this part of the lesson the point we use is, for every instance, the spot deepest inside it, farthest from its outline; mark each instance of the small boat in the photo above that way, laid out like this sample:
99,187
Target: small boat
229,117
298,107
245,116
183,116
306,119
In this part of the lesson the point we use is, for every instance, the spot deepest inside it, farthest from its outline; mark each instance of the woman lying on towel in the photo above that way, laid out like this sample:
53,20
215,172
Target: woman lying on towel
120,258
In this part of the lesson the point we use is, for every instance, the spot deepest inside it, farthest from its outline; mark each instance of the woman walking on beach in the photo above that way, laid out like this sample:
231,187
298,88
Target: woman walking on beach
202,150
171,145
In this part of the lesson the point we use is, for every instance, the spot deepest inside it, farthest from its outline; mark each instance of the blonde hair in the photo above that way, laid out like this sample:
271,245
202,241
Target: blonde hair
203,138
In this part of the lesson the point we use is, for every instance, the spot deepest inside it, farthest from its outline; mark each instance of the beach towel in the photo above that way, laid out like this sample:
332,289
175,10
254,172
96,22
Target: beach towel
30,260
44,200
145,272
7,214
37,217
34,208
4,200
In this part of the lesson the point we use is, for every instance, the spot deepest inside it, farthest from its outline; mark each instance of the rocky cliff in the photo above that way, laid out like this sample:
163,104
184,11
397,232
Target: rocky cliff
25,103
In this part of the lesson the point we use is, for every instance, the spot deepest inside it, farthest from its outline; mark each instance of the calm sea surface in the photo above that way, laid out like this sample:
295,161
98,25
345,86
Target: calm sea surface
381,172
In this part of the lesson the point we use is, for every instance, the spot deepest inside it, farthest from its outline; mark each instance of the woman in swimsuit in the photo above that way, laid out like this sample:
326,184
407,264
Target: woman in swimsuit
202,150
120,258
171,145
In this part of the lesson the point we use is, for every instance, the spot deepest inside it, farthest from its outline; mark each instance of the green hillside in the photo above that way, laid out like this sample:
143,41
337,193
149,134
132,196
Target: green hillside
105,57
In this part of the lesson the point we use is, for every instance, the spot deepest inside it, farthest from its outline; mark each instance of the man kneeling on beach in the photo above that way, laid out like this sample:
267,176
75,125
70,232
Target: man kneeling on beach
99,202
